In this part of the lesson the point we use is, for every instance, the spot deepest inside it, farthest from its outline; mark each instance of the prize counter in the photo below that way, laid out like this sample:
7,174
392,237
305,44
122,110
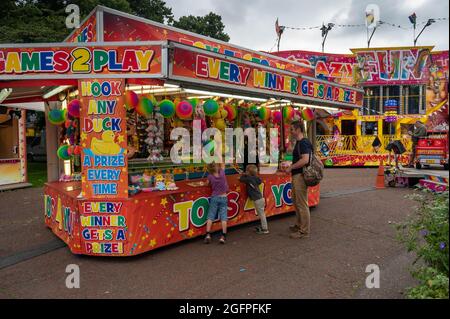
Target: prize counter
149,220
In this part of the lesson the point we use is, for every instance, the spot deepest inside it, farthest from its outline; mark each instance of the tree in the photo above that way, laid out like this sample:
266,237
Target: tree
209,25
155,10
31,21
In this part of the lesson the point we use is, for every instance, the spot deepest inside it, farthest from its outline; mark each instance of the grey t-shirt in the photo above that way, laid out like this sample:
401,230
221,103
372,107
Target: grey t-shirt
253,183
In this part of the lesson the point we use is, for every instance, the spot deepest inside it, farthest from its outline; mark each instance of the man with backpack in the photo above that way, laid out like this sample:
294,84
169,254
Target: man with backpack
301,155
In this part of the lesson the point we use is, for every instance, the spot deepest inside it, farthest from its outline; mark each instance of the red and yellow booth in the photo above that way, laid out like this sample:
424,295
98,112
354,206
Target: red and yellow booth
128,82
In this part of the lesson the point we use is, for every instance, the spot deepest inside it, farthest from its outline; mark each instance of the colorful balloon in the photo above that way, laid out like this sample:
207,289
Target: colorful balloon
131,99
194,102
184,110
264,113
145,107
166,108
63,152
253,109
57,117
211,107
276,116
74,108
307,114
231,112
288,113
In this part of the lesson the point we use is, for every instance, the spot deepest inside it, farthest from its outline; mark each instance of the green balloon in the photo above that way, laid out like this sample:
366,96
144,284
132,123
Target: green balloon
210,107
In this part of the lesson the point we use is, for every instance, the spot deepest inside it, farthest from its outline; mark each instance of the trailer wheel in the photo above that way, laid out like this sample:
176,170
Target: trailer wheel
418,165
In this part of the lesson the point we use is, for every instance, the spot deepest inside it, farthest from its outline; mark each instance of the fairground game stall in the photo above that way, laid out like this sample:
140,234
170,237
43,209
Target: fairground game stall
117,88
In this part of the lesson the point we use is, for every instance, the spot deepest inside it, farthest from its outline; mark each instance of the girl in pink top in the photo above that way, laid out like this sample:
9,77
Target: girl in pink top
218,204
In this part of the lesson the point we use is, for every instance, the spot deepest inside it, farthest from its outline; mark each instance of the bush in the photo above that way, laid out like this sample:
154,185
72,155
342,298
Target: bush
426,234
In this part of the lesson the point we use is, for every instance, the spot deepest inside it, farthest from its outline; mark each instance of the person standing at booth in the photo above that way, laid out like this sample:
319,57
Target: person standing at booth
420,131
300,157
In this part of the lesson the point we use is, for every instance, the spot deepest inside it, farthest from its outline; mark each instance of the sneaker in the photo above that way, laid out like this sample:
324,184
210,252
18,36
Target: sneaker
294,228
298,235
222,240
261,231
207,239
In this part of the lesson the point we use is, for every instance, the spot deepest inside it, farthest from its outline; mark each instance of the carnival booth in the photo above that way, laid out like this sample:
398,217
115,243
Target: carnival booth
125,194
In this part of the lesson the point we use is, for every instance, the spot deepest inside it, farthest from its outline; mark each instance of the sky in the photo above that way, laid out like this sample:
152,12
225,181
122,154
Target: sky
251,23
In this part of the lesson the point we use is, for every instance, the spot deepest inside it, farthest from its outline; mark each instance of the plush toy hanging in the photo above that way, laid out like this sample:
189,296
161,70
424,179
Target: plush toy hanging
73,108
231,112
155,138
199,115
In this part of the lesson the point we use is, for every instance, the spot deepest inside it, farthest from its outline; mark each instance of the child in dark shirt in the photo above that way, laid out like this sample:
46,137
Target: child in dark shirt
252,180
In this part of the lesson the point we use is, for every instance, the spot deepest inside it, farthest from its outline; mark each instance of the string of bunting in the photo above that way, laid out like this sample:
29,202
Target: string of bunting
363,25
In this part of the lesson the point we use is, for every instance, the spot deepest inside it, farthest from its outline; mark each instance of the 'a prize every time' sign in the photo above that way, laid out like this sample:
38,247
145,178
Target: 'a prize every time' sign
103,139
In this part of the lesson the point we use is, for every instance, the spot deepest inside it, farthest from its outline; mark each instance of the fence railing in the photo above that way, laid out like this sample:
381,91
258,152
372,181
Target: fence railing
354,144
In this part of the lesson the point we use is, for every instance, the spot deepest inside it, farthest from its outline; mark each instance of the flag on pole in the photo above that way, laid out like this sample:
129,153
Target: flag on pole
278,29
412,18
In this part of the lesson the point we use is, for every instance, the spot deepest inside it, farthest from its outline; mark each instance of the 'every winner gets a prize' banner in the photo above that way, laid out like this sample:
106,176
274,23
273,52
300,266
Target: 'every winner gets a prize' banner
82,61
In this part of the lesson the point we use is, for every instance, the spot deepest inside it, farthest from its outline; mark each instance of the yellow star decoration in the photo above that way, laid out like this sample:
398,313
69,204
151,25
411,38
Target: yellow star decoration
120,139
154,221
83,136
153,242
238,189
191,232
164,202
169,235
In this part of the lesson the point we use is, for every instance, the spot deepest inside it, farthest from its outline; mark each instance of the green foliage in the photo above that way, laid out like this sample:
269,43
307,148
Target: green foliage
155,10
210,25
31,21
426,234
433,284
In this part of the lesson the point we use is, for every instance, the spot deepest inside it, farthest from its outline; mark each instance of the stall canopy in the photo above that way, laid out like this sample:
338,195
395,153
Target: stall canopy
112,44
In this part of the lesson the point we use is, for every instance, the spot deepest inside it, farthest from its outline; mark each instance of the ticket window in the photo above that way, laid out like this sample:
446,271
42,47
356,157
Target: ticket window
369,128
9,137
388,128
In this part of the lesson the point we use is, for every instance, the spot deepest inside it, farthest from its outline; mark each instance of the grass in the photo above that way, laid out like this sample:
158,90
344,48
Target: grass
37,173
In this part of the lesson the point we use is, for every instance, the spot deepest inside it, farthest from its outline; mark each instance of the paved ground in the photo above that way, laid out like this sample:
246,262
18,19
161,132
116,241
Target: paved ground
351,228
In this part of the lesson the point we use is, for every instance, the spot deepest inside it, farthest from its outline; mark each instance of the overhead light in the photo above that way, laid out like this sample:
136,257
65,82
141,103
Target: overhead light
316,107
55,91
4,94
200,97
225,95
